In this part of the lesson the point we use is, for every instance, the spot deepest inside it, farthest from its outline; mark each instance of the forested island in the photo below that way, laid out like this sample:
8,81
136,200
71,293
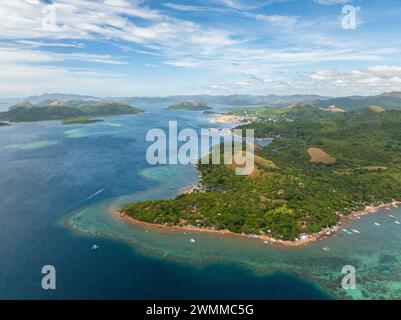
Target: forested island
320,166
190,106
80,120
69,111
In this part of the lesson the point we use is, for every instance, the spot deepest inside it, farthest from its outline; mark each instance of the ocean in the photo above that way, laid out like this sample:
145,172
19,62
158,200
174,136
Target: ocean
59,185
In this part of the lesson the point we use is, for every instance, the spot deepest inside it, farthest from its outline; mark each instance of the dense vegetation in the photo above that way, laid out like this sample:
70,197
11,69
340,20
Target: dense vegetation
81,120
391,100
190,106
296,195
61,110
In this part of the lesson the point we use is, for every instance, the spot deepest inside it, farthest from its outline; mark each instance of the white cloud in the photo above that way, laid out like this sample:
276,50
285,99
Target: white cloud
245,4
218,49
371,79
331,2
183,7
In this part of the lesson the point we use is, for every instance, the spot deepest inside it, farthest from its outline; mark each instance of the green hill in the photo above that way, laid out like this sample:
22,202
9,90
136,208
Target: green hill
299,194
387,101
190,106
61,110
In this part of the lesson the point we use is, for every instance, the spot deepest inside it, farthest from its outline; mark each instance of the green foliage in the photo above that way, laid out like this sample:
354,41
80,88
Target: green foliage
298,196
190,106
61,110
81,120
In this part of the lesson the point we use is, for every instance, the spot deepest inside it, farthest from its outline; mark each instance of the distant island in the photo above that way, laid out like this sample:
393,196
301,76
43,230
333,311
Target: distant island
78,111
82,120
190,106
320,167
386,100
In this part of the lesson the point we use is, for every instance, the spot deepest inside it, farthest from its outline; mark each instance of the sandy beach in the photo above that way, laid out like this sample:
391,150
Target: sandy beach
223,118
307,239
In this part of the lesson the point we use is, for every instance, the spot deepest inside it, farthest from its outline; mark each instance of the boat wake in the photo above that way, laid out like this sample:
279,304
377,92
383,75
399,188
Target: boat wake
87,199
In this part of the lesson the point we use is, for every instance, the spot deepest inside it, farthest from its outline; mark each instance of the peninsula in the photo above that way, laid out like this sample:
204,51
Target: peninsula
190,106
321,167
78,110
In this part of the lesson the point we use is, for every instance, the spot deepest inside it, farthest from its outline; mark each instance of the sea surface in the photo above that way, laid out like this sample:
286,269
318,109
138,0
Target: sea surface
60,184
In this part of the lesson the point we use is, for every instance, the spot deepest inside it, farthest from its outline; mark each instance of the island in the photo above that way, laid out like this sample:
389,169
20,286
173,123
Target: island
81,120
65,110
190,106
320,168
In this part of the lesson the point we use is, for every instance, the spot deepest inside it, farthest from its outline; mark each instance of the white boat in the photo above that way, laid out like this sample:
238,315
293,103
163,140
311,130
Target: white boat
397,222
346,231
391,216
377,224
326,249
356,231
192,240
95,247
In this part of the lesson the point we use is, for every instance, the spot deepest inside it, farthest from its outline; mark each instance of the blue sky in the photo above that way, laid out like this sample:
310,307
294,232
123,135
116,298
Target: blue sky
158,48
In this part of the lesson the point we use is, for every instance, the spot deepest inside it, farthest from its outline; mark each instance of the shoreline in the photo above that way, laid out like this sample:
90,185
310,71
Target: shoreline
303,241
218,118
304,238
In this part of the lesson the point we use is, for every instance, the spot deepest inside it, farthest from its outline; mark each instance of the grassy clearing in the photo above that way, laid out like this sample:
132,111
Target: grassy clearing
317,155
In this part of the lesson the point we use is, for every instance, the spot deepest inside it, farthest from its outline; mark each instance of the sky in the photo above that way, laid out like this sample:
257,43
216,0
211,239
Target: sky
111,48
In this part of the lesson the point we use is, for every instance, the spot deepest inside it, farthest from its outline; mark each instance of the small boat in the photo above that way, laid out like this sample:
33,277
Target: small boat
397,222
377,224
346,231
326,249
391,216
265,242
355,231
95,247
192,240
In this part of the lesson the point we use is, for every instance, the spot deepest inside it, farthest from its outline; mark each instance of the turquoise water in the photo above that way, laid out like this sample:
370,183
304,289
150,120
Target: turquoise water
61,184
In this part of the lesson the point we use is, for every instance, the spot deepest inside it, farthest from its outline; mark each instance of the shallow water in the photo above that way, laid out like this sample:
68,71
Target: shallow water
51,212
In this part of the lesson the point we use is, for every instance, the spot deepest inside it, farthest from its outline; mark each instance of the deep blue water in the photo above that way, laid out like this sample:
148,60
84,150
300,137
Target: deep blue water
47,169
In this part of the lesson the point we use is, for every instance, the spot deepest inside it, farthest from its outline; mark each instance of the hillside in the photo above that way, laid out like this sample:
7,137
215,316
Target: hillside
387,101
61,110
190,106
325,164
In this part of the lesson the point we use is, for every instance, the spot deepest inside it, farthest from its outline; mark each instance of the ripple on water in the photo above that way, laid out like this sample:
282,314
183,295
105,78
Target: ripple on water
374,252
76,133
112,124
36,145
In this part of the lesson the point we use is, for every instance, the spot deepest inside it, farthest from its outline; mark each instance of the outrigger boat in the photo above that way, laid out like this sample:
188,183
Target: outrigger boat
346,231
